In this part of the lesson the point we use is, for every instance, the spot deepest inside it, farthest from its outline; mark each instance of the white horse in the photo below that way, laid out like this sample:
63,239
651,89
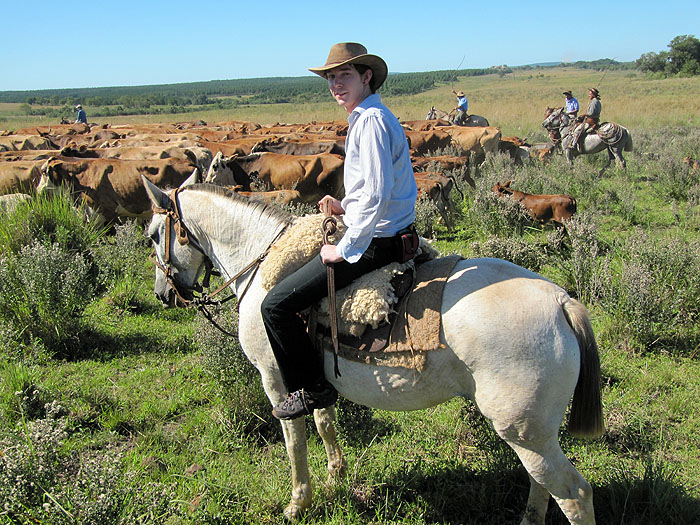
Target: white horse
559,124
514,343
472,120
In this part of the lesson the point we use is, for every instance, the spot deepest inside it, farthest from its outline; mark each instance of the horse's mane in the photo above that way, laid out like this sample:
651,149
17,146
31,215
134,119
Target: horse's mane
268,210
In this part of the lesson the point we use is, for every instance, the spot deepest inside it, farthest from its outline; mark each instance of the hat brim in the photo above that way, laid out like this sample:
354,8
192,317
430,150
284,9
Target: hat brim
377,64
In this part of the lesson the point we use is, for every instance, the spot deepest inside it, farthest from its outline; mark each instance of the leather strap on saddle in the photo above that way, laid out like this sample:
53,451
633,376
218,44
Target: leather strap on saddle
330,225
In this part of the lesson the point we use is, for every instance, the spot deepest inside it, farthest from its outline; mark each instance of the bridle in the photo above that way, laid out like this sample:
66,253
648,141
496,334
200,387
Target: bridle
185,295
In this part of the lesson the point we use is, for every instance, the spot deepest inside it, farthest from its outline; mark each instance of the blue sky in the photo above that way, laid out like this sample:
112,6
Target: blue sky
90,44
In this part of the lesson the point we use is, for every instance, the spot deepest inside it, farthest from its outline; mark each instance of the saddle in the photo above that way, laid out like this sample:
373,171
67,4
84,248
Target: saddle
411,330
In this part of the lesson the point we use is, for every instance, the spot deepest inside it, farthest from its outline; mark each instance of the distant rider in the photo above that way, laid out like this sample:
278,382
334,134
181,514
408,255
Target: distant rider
590,120
82,117
462,105
571,105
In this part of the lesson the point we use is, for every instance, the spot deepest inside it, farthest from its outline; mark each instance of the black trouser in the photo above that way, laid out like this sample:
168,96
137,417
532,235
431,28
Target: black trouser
300,365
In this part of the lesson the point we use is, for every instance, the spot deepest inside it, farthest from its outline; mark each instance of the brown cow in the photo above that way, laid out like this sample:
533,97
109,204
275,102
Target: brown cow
197,155
542,151
516,148
543,208
20,176
312,175
694,164
26,142
422,142
114,186
228,148
284,146
424,125
438,189
274,196
475,140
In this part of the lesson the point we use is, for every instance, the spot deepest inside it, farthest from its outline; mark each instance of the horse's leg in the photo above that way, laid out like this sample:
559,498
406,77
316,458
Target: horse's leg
295,439
325,419
569,156
618,156
610,159
550,469
537,503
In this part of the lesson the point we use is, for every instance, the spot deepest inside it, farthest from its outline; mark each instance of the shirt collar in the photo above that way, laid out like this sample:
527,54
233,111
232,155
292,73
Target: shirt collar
371,101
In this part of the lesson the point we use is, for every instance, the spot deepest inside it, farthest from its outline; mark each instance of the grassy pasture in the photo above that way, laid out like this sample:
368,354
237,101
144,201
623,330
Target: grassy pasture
514,102
145,415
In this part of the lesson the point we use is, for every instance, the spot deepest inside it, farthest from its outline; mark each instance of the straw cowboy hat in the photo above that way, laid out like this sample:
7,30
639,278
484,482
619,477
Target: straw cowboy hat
353,53
460,93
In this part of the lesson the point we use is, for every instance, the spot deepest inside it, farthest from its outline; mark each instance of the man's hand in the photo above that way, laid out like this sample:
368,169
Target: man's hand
329,254
336,208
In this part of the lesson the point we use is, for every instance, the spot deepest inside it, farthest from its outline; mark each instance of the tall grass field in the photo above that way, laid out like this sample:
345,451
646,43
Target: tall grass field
117,411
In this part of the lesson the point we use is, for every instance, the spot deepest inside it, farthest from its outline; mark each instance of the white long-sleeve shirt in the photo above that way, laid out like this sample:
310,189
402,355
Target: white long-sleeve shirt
380,188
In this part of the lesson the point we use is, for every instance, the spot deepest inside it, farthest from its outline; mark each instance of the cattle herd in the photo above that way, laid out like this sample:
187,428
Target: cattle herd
101,165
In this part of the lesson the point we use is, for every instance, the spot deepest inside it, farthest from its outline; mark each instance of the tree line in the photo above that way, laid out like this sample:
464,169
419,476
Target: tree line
682,58
227,94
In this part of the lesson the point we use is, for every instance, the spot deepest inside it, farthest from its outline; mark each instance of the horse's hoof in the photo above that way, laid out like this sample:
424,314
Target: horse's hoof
293,512
336,475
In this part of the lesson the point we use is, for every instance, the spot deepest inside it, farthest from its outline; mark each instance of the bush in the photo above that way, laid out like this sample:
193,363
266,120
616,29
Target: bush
43,292
120,259
653,292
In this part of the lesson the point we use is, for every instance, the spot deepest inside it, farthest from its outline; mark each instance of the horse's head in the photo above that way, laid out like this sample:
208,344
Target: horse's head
178,257
432,114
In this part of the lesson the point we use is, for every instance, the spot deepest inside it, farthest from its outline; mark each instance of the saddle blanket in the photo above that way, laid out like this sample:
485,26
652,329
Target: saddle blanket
415,327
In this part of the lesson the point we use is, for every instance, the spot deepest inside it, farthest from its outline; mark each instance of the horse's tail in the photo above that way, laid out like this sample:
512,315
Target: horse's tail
586,416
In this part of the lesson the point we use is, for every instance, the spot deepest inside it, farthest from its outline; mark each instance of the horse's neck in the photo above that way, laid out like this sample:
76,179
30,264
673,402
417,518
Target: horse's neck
233,232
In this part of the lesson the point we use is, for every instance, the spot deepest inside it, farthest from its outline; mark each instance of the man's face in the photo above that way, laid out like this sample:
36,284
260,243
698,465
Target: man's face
347,86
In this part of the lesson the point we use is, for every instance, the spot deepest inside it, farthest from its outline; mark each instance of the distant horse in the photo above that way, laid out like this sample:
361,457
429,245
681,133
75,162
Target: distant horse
513,342
472,120
610,136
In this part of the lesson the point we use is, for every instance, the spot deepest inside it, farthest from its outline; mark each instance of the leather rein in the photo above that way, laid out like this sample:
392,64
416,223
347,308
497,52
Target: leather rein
173,221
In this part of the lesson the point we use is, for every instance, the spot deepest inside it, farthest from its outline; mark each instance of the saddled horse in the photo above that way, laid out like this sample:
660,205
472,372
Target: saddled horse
513,342
615,139
476,121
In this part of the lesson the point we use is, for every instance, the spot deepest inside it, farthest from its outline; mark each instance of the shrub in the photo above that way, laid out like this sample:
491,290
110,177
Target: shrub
579,267
120,259
653,292
426,216
515,250
43,292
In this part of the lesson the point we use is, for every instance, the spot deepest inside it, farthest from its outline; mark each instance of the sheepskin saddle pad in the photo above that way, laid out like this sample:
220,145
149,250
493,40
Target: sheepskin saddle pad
413,329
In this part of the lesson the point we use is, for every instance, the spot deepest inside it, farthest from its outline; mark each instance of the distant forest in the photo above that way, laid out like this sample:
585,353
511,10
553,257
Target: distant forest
223,94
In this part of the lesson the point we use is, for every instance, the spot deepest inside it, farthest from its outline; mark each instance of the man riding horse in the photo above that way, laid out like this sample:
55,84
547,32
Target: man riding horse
591,120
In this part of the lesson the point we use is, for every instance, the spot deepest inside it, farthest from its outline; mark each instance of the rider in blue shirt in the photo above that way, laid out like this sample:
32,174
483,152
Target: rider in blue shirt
571,105
462,105
82,117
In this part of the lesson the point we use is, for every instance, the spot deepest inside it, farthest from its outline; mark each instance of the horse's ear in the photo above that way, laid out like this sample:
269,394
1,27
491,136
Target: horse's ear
192,179
158,197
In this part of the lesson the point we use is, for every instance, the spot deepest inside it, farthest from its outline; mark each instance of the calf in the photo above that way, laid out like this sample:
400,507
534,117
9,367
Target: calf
543,208
438,189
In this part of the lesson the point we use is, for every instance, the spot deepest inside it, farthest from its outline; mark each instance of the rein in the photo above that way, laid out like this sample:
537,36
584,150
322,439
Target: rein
184,236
